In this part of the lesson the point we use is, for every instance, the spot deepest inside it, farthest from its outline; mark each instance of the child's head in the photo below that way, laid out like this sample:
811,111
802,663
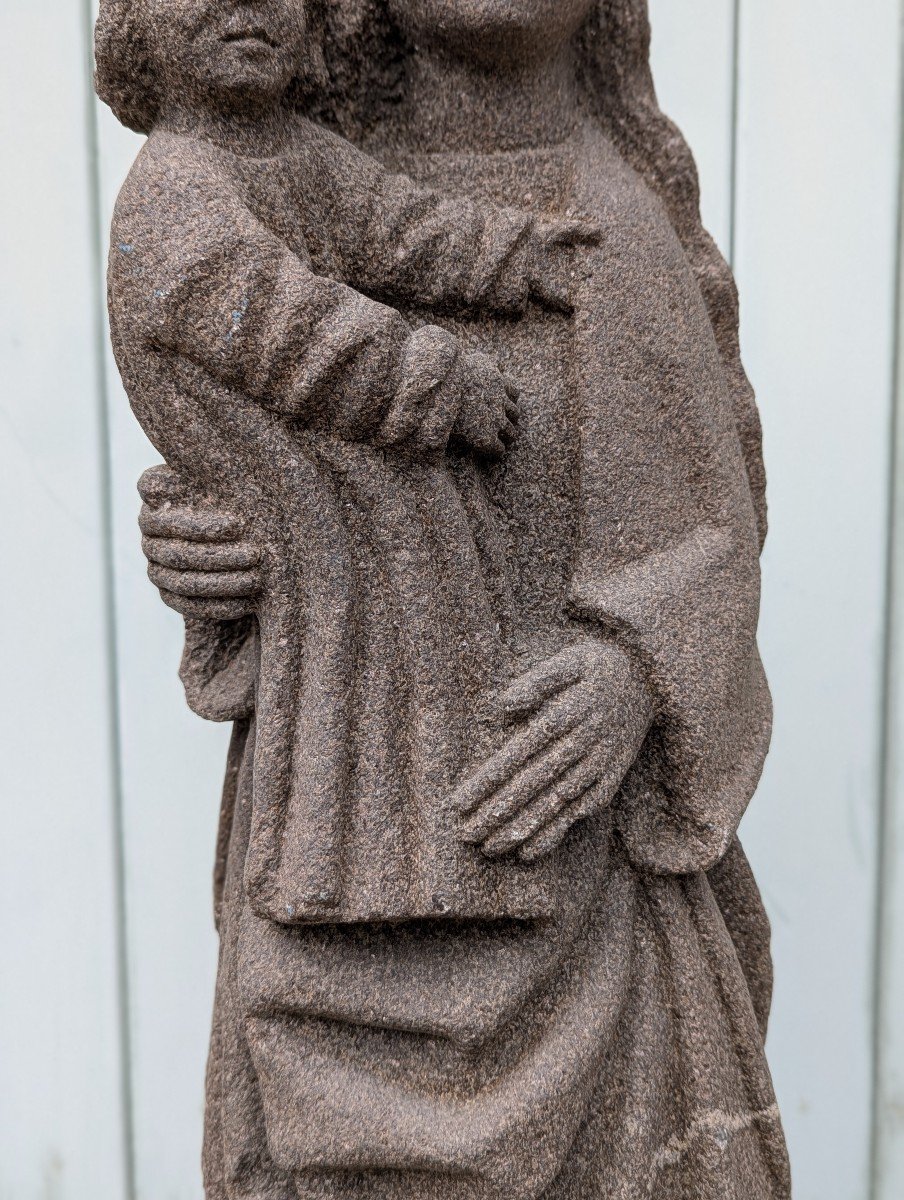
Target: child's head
225,53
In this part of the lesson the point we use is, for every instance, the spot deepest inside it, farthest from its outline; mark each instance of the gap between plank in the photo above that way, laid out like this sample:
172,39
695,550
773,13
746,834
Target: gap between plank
110,623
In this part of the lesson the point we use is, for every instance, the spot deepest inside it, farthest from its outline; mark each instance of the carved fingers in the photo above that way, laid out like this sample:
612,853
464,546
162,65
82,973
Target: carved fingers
198,557
182,555
556,768
189,524
582,717
205,610
565,744
571,231
489,414
542,682
547,807
551,835
160,485
484,798
205,585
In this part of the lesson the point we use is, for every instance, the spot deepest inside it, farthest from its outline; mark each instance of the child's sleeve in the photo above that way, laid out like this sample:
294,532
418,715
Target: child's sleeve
196,275
403,242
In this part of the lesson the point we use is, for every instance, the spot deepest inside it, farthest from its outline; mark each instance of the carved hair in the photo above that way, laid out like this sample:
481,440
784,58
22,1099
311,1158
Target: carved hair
366,56
124,75
128,80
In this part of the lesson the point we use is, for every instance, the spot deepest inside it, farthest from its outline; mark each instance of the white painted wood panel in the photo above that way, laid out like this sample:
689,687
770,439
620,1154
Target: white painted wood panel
815,213
693,65
815,239
889,1162
61,1111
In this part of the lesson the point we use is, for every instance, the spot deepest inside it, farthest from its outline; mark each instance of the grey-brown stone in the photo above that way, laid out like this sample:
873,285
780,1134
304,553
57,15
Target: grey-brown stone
463,504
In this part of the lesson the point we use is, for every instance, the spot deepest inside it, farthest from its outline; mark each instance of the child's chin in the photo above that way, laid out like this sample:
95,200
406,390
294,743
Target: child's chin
257,77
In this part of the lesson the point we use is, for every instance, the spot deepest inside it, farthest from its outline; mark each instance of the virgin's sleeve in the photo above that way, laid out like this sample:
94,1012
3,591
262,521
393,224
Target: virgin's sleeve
667,564
688,614
741,905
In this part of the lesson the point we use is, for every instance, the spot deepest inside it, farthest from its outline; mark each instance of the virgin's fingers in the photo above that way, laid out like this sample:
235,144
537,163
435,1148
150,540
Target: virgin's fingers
508,433
543,810
530,782
190,524
522,746
161,485
493,447
551,836
599,797
575,232
200,556
205,610
558,300
542,682
205,585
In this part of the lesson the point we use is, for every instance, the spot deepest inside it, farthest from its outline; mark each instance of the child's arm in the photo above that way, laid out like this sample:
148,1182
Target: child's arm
196,275
403,242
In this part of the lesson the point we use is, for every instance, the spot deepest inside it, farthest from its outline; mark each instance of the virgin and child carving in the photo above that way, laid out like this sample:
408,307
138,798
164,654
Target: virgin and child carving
462,504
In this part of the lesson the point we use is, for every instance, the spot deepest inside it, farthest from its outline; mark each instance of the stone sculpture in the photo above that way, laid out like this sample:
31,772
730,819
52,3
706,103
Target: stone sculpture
463,504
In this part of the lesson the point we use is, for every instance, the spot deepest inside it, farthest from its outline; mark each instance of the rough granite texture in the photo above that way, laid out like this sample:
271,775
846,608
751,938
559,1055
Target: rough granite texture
463,504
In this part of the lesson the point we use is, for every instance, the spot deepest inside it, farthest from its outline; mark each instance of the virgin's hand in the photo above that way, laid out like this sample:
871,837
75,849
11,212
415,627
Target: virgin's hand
197,556
556,246
581,719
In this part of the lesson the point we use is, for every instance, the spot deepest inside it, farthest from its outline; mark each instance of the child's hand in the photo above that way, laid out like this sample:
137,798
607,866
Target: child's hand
554,249
488,418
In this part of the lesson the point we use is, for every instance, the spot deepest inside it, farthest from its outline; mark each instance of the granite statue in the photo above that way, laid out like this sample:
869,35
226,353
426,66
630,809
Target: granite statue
462,503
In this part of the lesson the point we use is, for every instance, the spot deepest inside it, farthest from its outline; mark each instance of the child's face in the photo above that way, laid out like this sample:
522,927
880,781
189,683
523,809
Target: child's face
240,50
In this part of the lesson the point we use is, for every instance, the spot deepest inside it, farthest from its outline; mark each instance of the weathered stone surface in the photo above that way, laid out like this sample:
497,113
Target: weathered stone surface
463,506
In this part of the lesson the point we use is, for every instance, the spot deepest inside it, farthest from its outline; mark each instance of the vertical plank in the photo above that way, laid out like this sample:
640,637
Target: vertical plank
889,1140
815,238
693,65
61,1111
172,769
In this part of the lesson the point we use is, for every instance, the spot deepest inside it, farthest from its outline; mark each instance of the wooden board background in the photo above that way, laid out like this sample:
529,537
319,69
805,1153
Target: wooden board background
110,787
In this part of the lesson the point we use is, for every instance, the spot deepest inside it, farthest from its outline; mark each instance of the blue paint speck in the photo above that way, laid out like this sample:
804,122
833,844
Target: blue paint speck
237,316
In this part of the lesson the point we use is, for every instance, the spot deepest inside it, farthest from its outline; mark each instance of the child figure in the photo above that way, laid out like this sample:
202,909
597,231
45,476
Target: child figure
265,380
243,227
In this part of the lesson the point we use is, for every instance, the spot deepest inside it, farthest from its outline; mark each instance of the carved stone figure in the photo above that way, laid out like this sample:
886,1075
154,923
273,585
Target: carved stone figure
463,504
